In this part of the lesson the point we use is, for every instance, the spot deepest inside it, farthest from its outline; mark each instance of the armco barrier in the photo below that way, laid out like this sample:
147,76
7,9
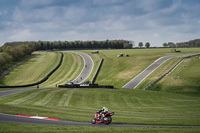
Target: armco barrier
149,86
41,81
97,72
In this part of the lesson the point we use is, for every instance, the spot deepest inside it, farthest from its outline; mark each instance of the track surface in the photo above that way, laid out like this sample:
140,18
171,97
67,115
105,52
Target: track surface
85,73
141,76
87,68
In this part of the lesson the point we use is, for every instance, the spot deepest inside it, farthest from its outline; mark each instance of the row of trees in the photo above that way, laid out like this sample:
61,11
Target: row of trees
147,44
191,43
14,53
63,45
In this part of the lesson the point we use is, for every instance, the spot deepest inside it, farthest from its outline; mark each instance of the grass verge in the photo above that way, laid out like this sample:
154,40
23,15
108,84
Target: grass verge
130,106
33,128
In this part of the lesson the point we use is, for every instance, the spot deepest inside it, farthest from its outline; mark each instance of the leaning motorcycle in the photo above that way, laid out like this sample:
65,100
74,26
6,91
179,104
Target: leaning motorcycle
106,120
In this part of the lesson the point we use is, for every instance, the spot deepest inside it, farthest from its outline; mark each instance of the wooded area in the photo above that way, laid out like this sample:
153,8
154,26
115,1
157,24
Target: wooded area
14,53
67,45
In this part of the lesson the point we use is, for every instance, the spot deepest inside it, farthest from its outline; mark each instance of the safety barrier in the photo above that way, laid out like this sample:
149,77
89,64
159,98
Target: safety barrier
149,86
97,72
84,86
41,81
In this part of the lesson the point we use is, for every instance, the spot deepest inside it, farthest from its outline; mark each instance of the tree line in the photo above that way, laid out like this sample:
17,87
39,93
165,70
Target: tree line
12,53
66,45
190,44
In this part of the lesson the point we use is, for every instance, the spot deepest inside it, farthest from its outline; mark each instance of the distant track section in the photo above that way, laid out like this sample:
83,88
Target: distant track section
141,76
87,68
150,85
41,81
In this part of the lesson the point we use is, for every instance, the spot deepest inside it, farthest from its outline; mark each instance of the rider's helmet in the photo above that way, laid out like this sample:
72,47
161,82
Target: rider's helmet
105,109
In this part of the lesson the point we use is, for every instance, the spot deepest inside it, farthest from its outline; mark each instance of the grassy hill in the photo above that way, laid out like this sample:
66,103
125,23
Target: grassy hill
184,79
38,67
130,106
33,70
118,71
71,67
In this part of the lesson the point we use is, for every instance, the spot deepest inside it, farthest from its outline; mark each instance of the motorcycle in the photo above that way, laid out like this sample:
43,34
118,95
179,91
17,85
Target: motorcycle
98,118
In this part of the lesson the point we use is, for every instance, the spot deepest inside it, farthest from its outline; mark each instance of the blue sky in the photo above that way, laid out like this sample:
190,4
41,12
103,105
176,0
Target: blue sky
154,21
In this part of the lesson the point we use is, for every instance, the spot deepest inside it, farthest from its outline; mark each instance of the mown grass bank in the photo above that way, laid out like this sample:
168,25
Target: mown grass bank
33,70
34,128
71,67
130,106
38,67
118,71
184,79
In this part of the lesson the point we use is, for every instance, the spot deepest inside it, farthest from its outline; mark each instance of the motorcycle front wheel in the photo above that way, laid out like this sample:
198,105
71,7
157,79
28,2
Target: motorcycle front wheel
108,120
93,121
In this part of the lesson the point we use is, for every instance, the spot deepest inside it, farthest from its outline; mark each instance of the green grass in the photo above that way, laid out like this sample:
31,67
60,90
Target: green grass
33,70
182,79
38,67
161,70
33,128
118,71
71,67
130,106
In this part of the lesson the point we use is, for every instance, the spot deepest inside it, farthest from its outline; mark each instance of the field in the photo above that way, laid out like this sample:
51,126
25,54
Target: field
39,66
118,71
169,103
184,79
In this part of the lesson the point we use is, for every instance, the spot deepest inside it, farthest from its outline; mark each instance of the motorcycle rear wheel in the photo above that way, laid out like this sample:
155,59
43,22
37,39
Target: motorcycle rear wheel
108,121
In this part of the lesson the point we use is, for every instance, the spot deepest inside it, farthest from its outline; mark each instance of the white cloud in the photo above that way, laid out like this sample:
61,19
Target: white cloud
138,20
18,35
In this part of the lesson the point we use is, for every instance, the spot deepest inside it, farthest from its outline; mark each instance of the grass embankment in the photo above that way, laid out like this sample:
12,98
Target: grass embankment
184,79
130,106
33,70
118,71
34,128
38,67
161,70
71,67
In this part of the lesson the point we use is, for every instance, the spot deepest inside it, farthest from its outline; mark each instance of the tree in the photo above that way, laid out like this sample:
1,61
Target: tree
165,45
147,45
140,44
171,45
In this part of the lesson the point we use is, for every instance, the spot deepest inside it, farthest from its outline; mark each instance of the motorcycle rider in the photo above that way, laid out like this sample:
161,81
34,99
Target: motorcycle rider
103,111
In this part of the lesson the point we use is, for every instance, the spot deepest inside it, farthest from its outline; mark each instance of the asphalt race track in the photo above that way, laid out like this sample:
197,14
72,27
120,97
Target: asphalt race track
87,69
6,118
141,76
